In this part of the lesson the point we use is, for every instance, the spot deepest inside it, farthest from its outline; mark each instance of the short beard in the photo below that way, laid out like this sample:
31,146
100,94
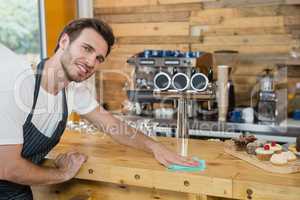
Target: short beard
67,74
64,63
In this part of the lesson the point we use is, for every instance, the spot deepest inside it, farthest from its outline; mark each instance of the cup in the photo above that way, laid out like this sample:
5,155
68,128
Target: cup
248,115
236,116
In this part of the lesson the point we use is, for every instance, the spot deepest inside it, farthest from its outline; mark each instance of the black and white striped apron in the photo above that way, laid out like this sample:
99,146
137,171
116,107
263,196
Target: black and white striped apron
35,146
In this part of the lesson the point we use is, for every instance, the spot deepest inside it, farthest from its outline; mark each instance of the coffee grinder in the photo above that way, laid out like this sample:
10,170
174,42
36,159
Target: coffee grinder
226,62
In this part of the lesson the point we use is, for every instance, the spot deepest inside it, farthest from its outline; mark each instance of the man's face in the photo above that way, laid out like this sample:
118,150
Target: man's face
80,57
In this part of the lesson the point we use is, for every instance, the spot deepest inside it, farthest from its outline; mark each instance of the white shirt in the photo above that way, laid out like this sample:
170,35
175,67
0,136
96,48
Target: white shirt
16,98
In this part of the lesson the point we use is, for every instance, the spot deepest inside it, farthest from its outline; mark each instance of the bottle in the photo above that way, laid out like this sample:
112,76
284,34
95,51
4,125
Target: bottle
294,98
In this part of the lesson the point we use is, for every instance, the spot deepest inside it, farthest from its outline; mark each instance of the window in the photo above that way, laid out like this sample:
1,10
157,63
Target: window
19,28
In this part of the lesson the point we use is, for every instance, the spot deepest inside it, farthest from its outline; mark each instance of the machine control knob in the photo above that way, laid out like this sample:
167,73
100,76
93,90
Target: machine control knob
180,81
199,82
162,81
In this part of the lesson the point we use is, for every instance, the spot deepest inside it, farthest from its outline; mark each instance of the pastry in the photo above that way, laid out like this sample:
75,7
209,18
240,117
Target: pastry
292,148
251,147
264,153
242,141
260,143
290,156
279,159
277,148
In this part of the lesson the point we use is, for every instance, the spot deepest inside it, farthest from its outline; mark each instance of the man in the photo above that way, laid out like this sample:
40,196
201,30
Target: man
35,106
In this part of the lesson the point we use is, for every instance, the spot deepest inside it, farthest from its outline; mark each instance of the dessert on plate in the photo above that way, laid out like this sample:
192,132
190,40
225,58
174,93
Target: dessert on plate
242,141
277,148
252,146
290,156
264,153
279,159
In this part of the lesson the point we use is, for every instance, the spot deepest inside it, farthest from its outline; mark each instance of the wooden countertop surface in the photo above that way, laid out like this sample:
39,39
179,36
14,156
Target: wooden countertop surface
225,175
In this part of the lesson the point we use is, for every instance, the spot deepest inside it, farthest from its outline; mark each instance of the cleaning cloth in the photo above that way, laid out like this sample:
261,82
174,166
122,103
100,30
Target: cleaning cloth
200,167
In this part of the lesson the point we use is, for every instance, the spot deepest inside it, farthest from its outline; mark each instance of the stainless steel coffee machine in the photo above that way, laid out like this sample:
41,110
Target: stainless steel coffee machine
179,77
161,71
267,99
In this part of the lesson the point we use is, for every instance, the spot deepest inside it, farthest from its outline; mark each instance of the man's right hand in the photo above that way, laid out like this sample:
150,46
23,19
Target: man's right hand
69,163
15,168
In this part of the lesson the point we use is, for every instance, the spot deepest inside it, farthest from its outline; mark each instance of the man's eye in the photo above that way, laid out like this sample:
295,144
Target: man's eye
100,60
87,49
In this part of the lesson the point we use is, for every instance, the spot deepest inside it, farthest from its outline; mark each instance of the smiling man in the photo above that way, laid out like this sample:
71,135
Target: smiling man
35,105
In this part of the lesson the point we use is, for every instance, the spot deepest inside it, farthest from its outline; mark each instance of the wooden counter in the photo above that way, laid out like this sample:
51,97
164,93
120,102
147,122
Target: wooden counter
114,171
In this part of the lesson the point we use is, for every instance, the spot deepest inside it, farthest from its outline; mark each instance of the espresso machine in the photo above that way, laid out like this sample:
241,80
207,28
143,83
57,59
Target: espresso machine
181,78
267,99
161,71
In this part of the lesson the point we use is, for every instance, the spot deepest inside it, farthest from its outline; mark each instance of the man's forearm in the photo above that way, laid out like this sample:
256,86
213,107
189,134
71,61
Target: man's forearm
27,173
120,131
132,137
124,134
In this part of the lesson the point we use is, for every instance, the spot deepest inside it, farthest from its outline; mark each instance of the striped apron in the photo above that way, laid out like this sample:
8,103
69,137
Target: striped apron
36,145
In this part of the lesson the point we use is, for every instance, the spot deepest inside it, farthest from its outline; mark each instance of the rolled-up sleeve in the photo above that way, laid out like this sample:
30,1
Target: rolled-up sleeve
82,98
11,126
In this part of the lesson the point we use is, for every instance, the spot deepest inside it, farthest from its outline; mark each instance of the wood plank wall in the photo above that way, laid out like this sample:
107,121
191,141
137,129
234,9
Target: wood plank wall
263,31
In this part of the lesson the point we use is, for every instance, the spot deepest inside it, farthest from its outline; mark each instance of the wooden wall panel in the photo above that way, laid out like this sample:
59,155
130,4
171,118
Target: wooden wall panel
263,32
151,29
122,3
180,16
182,1
148,9
247,3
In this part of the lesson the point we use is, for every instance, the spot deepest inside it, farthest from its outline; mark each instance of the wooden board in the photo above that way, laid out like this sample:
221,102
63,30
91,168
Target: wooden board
146,17
122,3
246,3
292,167
213,16
146,40
151,29
182,1
148,9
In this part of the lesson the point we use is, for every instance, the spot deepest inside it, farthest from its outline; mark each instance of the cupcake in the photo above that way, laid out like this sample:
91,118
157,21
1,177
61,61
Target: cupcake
277,148
290,156
264,153
279,159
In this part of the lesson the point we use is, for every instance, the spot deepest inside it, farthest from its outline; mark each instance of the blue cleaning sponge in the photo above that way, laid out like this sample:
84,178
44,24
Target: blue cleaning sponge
200,167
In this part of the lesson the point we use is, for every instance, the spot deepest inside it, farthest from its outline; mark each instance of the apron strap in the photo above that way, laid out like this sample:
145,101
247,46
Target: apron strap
38,79
65,105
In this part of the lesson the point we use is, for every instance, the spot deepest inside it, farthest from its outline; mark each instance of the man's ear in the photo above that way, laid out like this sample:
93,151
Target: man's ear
64,41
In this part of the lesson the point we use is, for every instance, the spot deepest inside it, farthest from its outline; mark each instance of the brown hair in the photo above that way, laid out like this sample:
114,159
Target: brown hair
74,28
